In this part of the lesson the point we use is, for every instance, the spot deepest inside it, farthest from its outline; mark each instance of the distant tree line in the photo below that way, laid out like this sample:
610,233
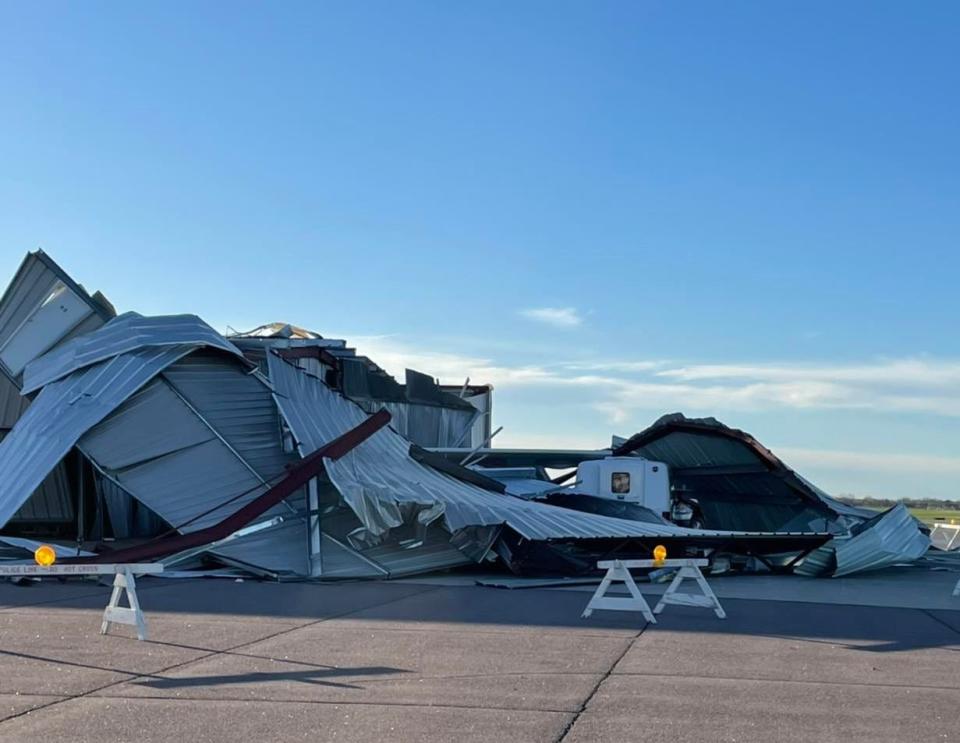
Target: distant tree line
929,504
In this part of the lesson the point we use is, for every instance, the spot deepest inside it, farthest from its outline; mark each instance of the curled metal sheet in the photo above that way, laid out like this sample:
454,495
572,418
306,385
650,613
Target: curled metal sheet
128,332
379,478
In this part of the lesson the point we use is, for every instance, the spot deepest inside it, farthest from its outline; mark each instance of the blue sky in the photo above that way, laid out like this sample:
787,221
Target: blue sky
608,210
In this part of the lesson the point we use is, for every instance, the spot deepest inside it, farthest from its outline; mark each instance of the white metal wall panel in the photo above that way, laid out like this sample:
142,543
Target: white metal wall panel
28,326
56,316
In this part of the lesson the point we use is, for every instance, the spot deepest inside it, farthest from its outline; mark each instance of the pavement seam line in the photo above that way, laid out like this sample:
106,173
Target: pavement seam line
175,666
334,703
576,716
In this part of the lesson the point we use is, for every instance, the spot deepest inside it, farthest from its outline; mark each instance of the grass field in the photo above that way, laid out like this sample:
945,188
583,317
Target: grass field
931,516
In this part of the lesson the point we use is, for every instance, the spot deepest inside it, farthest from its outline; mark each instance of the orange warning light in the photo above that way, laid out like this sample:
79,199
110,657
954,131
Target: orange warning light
659,553
45,555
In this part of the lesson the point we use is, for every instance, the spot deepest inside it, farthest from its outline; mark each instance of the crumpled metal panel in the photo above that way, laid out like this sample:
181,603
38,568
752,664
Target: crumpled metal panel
176,458
890,538
64,411
893,538
380,481
820,562
125,333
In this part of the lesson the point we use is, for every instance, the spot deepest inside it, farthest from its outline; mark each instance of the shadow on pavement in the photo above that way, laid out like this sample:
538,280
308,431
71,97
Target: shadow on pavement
869,629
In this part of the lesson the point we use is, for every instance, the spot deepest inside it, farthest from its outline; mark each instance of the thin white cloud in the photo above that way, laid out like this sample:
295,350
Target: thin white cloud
868,461
921,372
558,317
624,390
613,366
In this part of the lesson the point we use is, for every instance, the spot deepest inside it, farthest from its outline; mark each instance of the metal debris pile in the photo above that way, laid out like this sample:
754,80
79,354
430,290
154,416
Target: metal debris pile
287,455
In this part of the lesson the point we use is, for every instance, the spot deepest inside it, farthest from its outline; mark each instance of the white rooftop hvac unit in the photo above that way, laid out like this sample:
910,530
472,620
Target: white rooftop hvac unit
628,479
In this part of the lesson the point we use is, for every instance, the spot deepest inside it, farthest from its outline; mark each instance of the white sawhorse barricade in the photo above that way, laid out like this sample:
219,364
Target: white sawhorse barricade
619,570
123,582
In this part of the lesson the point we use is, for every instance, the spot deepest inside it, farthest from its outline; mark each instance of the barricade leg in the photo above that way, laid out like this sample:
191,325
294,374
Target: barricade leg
635,602
124,582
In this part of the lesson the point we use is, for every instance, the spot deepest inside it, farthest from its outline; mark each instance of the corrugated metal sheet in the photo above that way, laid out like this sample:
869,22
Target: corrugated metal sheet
425,425
50,503
159,449
125,333
12,403
153,423
893,538
206,479
378,479
128,517
279,549
64,411
682,450
889,538
238,405
181,446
